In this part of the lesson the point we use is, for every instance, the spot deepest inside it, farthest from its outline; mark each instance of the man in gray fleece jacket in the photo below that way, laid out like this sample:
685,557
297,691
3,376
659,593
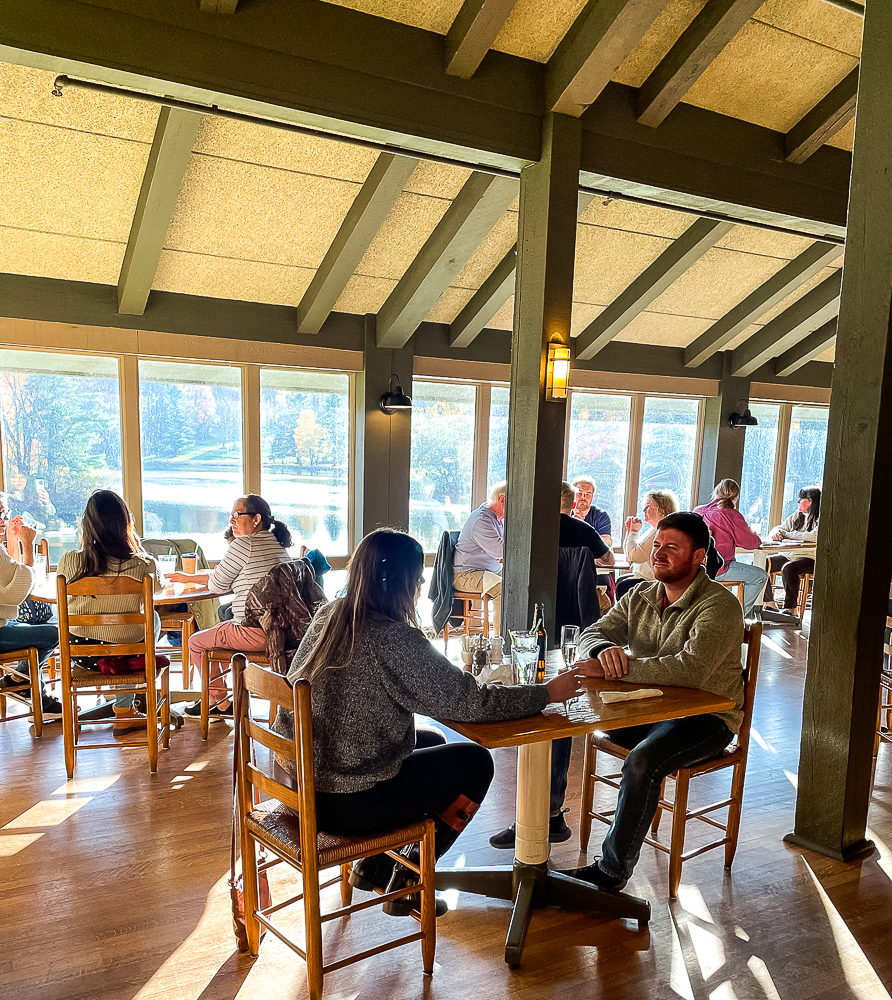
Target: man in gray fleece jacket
685,630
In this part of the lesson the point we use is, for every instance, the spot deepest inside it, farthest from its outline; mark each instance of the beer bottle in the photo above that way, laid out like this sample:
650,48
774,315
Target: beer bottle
543,644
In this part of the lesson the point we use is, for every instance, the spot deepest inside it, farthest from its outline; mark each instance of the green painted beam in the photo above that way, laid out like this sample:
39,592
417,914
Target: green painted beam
689,58
790,277
473,31
795,323
808,349
479,205
367,214
650,284
588,56
169,159
217,6
825,119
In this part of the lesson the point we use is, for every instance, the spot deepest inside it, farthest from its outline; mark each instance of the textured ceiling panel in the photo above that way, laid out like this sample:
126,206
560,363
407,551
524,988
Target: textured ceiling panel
535,27
762,241
667,331
632,218
364,295
25,93
663,34
271,147
501,238
439,180
232,209
69,258
504,318
433,15
608,260
845,137
815,19
403,234
60,181
769,77
450,305
226,278
828,355
715,283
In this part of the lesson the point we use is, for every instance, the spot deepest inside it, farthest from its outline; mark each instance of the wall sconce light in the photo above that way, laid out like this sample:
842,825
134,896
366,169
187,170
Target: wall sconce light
557,373
395,399
745,419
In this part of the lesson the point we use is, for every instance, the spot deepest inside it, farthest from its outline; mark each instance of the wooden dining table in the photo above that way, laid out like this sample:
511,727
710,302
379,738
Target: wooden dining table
793,548
528,882
46,591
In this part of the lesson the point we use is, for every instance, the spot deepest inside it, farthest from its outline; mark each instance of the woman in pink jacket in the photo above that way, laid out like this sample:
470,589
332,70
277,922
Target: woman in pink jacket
730,531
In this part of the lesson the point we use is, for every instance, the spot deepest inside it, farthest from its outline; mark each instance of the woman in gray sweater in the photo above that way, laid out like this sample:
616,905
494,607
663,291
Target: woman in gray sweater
371,668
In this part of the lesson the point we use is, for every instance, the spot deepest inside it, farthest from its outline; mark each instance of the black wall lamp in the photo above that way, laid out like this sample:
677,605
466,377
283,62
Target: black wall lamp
745,419
395,399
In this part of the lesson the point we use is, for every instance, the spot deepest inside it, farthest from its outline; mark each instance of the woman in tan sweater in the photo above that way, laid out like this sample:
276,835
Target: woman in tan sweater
110,547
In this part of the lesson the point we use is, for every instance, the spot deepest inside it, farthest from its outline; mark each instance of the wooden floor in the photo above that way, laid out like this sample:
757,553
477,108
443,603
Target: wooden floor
114,886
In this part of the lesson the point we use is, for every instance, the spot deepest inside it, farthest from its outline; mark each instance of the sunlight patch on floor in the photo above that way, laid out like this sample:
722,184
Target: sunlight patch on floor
97,784
49,812
12,844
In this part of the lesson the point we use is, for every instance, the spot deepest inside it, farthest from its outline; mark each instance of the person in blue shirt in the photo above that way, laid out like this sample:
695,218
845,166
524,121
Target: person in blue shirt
480,549
586,510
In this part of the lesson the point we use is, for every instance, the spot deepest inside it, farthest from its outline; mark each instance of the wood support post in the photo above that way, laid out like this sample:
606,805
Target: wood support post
546,247
383,442
855,534
722,454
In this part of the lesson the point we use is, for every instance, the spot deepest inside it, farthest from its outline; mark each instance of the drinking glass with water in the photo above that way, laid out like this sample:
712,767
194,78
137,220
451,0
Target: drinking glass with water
524,656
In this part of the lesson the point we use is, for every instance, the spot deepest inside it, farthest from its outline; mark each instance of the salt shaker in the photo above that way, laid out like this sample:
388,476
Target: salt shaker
496,650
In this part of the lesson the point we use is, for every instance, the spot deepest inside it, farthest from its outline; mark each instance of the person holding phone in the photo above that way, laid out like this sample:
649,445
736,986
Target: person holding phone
29,498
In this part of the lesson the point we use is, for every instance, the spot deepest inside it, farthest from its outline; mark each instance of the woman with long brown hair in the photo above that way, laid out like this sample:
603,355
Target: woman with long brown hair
370,668
802,526
109,547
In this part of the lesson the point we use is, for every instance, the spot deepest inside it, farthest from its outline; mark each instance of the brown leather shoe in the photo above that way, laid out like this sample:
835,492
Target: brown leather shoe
128,719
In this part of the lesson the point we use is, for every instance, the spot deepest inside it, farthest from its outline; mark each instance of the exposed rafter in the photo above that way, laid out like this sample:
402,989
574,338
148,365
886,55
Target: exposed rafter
650,284
217,6
825,119
372,205
591,52
690,56
479,205
795,323
169,159
807,350
472,33
494,292
790,277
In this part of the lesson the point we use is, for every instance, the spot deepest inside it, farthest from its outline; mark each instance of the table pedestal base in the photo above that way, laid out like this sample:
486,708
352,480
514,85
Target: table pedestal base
534,887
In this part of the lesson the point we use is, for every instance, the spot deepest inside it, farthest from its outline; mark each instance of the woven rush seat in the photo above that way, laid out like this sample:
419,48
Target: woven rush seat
82,677
280,829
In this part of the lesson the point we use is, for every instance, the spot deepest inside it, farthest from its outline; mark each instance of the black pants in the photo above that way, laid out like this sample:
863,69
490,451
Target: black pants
792,571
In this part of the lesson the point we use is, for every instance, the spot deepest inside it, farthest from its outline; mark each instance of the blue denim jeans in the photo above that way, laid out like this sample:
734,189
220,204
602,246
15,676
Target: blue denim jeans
753,579
657,750
17,635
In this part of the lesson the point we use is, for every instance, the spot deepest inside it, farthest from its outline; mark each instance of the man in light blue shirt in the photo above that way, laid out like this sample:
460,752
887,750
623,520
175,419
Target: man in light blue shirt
478,554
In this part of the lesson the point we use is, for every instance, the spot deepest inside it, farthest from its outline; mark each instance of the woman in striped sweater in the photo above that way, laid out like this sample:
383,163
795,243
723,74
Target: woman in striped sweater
259,543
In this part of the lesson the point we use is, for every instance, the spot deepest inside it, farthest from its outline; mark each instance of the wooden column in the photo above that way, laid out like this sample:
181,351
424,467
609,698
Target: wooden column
383,443
722,455
546,248
855,534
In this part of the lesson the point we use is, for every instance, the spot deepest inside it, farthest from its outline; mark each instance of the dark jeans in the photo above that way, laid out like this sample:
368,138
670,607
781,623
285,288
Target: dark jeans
16,635
657,750
560,765
792,571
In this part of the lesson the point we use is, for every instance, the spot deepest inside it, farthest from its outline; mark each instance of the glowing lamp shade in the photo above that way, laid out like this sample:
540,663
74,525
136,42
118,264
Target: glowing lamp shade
557,374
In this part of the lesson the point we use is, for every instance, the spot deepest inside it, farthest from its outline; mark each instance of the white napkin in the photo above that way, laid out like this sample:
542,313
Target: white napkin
609,697
498,673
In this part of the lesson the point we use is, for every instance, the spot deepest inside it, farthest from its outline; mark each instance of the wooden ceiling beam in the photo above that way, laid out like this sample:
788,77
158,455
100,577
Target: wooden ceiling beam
795,323
473,31
169,158
217,6
790,277
594,48
479,205
825,119
808,349
650,284
689,58
373,204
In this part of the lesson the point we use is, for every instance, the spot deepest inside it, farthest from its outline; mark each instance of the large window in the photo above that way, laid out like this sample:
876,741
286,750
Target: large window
442,459
305,451
599,447
191,432
61,438
757,480
805,453
497,465
669,446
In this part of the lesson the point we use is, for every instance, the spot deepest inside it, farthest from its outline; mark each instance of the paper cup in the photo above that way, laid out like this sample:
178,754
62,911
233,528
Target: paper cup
190,562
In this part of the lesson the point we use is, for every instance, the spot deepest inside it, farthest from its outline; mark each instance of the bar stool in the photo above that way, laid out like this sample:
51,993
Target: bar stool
474,614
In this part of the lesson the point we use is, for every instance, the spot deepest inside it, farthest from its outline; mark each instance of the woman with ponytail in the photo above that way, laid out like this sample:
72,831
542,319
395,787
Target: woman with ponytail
370,668
259,543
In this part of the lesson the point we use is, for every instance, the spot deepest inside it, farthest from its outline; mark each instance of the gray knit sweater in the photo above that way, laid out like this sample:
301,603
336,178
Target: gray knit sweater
363,727
695,642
